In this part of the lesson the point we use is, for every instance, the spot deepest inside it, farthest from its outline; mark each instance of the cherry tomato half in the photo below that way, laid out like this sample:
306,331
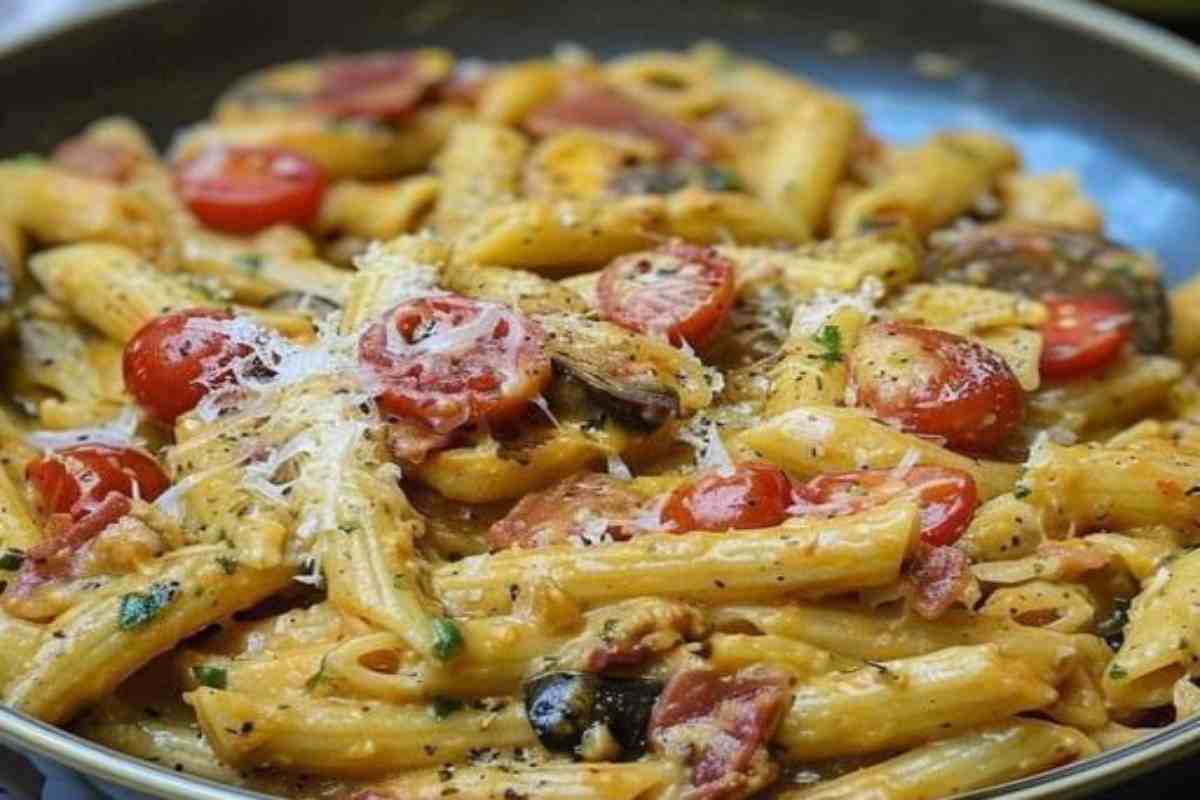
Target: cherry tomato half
373,86
754,495
938,384
449,361
77,480
245,189
947,497
679,290
587,105
1083,335
176,359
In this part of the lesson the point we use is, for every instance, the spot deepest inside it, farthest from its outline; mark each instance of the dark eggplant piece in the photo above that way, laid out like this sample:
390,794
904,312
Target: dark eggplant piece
1042,260
314,305
639,403
562,706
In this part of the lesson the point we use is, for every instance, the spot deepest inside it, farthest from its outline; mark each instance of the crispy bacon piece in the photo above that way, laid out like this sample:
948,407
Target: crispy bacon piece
105,161
939,577
586,105
55,555
584,507
719,726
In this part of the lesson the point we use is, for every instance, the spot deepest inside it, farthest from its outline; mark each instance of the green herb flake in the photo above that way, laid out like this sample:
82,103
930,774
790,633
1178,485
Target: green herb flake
445,706
830,340
721,179
1022,491
400,582
140,608
250,263
447,639
28,159
228,565
1117,672
12,560
212,677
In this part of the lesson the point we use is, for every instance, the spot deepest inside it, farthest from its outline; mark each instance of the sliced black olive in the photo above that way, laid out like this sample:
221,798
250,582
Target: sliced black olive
314,305
562,706
642,404
1040,260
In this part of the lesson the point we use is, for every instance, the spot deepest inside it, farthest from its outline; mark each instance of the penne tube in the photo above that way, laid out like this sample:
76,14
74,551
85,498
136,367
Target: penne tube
87,651
730,652
995,754
894,704
18,642
1123,393
18,530
810,556
1090,487
803,159
602,781
1162,638
811,440
174,745
931,184
348,737
377,210
479,169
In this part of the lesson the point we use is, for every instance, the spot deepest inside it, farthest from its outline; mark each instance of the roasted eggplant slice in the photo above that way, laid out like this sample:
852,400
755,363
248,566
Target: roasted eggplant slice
562,706
1038,260
638,402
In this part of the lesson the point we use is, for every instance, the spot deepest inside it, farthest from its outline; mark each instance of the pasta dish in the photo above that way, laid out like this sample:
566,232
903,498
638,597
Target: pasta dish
646,429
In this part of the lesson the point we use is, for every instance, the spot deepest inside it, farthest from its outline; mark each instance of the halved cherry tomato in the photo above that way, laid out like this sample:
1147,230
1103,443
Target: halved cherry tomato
448,361
244,189
679,290
77,480
935,383
372,86
588,105
754,495
105,161
947,497
176,359
1083,335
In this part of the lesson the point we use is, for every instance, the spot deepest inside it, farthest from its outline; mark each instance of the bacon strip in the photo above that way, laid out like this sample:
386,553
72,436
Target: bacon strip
720,726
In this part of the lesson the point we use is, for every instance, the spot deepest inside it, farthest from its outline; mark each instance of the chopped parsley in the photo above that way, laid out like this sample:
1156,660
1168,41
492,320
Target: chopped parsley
228,564
139,608
30,159
400,582
830,340
445,706
1022,491
11,560
1117,672
212,677
447,639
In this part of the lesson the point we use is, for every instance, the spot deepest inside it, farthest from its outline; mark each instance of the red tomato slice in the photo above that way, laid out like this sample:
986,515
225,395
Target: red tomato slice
372,86
1083,335
937,384
104,161
77,480
679,290
245,189
176,359
754,495
450,361
947,497
587,105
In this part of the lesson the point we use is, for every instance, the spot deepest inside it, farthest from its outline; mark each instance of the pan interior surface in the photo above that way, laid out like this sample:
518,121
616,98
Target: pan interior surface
1070,100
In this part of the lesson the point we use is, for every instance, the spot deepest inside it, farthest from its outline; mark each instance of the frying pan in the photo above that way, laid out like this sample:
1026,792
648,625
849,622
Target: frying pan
1075,86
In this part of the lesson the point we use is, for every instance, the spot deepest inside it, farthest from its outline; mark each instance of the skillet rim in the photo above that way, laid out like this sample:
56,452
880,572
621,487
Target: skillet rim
1169,744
